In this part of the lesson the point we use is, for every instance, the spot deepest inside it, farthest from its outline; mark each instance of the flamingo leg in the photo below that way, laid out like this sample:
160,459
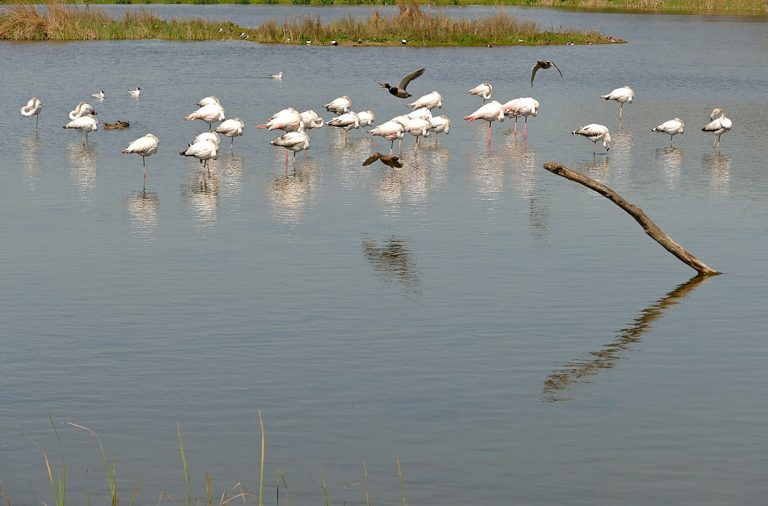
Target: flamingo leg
515,132
525,127
37,118
391,146
144,163
489,133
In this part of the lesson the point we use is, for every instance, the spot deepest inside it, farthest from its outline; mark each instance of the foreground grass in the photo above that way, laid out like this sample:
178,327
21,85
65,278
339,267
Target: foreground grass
64,22
655,6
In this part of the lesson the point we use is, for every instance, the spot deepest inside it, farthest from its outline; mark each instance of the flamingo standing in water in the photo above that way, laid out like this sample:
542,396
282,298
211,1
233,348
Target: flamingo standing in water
210,113
144,146
288,120
719,125
672,127
430,101
310,120
347,121
339,105
231,128
391,130
482,90
525,106
595,132
85,124
439,125
202,150
33,108
292,141
490,112
622,95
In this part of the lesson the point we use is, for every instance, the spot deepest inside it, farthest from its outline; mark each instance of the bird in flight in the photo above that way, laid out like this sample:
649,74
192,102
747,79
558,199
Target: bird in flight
388,160
399,90
543,64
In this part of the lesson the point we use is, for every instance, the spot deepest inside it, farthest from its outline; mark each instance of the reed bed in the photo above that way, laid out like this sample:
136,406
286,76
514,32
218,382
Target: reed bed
58,21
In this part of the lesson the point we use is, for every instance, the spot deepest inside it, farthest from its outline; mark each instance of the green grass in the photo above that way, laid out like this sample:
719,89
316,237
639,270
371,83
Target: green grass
420,27
668,6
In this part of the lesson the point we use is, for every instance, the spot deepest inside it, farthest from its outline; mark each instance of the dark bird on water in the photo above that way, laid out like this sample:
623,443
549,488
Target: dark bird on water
543,64
388,160
399,90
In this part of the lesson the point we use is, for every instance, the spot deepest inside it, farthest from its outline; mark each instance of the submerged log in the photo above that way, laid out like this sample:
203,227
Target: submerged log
649,226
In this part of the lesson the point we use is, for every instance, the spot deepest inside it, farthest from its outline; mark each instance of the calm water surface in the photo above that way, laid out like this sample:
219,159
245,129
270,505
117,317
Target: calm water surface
511,337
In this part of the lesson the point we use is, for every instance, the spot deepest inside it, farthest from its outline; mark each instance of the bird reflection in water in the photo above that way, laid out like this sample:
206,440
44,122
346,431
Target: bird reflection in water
202,194
30,150
289,193
670,160
487,172
348,160
410,183
392,261
83,161
143,211
523,166
231,169
719,168
621,153
597,168
606,357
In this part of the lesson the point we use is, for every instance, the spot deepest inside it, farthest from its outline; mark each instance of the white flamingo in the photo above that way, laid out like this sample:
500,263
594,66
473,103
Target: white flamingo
85,124
82,109
209,113
208,100
482,90
143,146
339,105
288,120
439,125
231,128
346,121
418,127
207,137
310,120
595,132
421,113
391,131
136,92
431,101
524,106
622,95
32,108
203,151
719,125
292,141
672,127
366,118
490,112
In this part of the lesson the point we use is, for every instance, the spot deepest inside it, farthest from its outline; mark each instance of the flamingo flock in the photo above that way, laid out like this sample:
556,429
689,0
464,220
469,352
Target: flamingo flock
419,122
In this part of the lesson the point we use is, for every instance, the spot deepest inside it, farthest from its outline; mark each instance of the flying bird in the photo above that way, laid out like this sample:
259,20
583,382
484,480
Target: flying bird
719,125
543,64
388,160
33,108
595,132
144,146
399,90
621,95
482,90
672,127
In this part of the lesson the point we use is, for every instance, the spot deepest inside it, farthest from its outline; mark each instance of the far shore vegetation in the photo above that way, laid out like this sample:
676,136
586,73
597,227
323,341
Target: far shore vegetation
419,27
651,6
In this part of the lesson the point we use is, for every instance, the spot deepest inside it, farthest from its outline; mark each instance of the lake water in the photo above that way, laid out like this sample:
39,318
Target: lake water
510,336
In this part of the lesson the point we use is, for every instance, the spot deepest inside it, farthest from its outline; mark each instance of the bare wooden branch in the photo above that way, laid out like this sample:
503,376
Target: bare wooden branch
649,226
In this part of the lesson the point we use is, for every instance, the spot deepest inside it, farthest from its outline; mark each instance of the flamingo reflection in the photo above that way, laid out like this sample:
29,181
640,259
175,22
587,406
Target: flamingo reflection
143,211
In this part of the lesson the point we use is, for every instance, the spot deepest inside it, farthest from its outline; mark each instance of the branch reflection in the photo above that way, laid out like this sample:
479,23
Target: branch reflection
606,357
393,261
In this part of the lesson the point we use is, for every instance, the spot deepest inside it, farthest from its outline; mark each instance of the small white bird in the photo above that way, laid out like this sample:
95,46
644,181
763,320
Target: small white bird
310,120
292,141
85,124
209,113
136,92
231,128
490,112
622,95
144,146
365,118
100,95
82,109
391,130
430,101
346,121
524,106
439,125
595,132
672,127
719,125
203,151
339,105
288,120
482,90
277,76
32,108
